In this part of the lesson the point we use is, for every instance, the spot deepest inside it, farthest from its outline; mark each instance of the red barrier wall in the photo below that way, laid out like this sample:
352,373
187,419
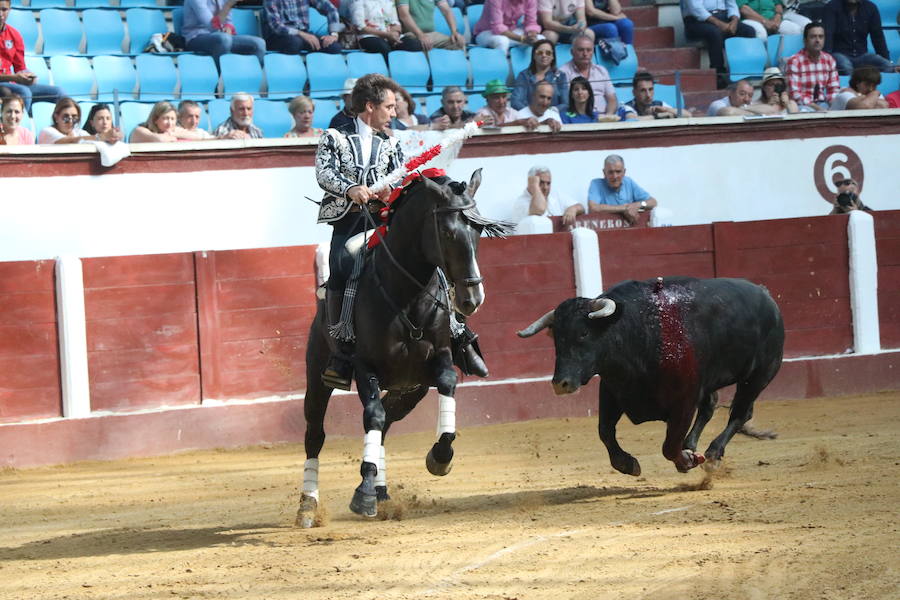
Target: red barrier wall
29,355
256,307
887,243
141,331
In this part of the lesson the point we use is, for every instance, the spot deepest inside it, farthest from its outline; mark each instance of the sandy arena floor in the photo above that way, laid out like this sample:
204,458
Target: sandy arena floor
531,511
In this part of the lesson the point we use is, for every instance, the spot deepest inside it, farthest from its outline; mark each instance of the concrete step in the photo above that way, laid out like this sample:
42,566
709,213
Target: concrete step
642,16
654,37
701,100
668,59
692,80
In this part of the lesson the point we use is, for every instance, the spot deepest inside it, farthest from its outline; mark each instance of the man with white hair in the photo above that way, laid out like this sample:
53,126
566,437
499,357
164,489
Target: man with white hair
539,200
616,193
239,126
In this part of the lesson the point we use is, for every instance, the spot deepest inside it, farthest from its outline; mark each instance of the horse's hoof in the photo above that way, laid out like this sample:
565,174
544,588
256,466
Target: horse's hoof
306,515
381,493
628,465
365,505
688,460
436,468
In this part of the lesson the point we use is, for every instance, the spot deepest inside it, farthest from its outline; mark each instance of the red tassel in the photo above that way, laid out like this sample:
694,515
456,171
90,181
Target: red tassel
375,239
432,173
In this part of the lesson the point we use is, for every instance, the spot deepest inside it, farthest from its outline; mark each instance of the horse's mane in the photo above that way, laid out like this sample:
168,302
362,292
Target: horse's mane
490,227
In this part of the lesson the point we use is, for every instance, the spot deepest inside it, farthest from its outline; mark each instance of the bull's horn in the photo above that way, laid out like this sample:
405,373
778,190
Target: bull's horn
601,307
538,325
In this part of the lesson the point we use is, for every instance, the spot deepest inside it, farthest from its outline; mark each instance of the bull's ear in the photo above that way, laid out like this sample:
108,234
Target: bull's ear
474,182
601,307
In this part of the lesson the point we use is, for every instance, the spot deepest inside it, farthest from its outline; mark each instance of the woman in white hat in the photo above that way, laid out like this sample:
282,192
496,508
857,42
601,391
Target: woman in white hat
773,96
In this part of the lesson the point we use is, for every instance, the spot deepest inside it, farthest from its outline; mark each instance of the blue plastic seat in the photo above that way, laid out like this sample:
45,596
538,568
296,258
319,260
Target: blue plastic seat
62,31
623,73
327,73
442,26
473,15
138,4
285,75
564,54
42,115
325,111
245,21
198,75
844,81
475,102
92,4
432,103
240,73
219,109
74,74
114,73
47,3
157,77
779,48
449,67
143,23
487,64
103,30
363,63
132,114
890,82
25,24
38,66
666,93
272,117
520,58
410,69
177,19
746,57
318,23
888,9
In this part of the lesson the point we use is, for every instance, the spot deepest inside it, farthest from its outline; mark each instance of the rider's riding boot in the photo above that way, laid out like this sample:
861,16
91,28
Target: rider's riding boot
467,354
338,374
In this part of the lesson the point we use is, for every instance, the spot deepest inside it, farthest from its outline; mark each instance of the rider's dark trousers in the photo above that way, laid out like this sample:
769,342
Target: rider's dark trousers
340,263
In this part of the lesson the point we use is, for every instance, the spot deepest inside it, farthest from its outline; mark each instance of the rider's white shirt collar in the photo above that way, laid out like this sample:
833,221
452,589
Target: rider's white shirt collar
365,139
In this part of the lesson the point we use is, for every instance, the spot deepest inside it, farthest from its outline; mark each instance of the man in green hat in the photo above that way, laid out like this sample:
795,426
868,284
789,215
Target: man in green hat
498,113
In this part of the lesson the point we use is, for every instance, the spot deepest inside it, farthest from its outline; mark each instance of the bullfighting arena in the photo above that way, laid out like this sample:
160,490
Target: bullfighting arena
531,510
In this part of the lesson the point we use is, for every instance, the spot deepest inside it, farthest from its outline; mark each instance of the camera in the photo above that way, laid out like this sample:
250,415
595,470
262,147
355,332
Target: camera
779,88
847,200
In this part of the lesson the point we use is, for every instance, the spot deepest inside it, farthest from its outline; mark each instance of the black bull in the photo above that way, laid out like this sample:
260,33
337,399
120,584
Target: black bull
662,349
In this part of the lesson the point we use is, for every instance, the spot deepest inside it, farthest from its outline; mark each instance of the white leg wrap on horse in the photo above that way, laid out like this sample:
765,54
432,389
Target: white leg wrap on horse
446,414
381,475
311,478
372,447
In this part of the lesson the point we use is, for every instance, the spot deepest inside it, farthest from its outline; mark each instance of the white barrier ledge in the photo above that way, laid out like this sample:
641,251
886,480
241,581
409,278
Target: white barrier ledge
73,363
863,282
586,257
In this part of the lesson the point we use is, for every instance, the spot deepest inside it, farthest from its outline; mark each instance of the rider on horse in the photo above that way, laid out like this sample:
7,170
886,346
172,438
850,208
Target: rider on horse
348,161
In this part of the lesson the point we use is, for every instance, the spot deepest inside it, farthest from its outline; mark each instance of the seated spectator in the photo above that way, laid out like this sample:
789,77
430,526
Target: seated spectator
563,20
498,113
713,21
239,126
542,68
452,113
617,193
538,199
812,72
862,93
773,96
847,198
583,65
893,99
12,111
736,103
541,109
771,16
302,109
66,127
848,25
643,103
606,19
161,126
345,116
15,77
285,26
189,115
506,23
406,117
417,18
378,27
207,29
99,124
580,108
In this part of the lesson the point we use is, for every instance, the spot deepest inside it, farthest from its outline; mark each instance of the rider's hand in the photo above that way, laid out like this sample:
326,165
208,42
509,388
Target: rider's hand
360,194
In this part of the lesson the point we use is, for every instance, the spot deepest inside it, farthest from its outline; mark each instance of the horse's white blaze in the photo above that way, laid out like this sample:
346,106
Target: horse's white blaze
446,414
372,447
381,475
311,478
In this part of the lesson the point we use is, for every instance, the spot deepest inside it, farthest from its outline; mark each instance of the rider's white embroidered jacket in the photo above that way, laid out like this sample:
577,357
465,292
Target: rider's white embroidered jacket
339,166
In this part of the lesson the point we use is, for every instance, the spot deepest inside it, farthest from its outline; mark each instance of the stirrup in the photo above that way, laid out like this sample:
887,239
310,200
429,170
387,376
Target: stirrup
338,374
467,354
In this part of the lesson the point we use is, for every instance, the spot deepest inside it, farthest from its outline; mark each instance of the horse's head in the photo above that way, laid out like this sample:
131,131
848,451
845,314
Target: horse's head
450,229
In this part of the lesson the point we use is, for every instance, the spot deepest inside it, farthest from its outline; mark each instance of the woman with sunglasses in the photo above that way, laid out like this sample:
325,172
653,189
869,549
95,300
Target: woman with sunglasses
12,111
542,68
99,123
66,127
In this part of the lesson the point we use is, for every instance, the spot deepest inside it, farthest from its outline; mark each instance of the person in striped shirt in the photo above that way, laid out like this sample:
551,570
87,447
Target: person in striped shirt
812,72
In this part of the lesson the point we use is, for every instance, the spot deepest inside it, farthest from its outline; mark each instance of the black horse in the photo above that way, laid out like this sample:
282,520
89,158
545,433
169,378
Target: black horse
425,268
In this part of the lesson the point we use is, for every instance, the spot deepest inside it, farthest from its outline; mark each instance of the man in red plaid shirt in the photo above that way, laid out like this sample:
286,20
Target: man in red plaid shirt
812,73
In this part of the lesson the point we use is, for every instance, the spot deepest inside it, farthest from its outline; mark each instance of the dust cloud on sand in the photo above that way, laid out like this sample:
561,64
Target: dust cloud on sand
530,511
